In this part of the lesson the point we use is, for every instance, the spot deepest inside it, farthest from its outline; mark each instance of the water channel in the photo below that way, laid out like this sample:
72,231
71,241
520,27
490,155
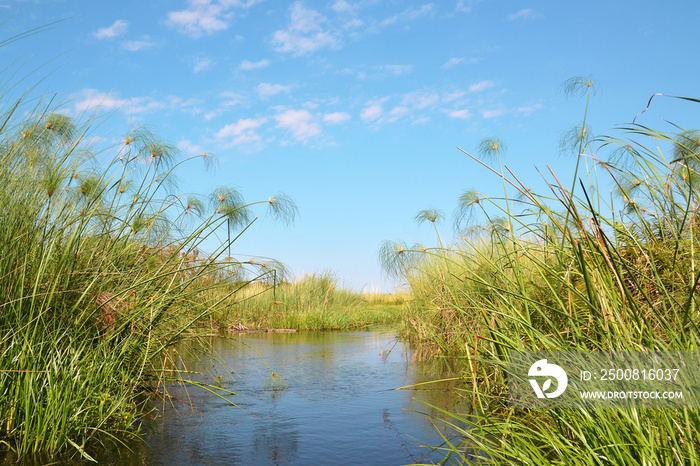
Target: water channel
330,402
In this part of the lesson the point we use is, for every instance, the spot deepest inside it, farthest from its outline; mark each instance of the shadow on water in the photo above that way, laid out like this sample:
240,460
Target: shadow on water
301,398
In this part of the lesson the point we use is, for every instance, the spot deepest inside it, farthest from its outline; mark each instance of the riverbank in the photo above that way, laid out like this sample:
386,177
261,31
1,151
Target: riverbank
97,279
605,262
311,302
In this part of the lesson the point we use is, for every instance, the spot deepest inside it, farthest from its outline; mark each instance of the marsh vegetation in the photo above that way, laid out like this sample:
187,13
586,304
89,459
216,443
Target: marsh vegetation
103,270
100,274
604,262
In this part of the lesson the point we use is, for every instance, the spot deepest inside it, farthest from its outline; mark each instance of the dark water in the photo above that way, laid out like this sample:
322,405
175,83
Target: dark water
333,403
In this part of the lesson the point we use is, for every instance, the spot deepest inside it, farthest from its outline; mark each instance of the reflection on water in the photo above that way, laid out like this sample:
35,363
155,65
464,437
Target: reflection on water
335,404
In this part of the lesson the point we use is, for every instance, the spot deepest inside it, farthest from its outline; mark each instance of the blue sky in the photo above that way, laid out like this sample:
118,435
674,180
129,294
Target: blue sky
354,108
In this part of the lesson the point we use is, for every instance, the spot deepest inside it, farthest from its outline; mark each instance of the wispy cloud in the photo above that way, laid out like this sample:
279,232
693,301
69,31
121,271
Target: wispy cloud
244,131
205,17
347,13
201,18
454,95
525,13
305,34
373,110
397,112
118,28
353,23
481,86
414,105
462,7
410,14
399,69
250,65
188,148
493,113
452,62
529,109
336,118
420,99
92,99
342,6
136,45
266,90
227,100
461,114
301,123
202,64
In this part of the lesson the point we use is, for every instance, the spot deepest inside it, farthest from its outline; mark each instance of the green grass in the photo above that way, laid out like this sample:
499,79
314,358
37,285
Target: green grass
100,273
608,262
312,302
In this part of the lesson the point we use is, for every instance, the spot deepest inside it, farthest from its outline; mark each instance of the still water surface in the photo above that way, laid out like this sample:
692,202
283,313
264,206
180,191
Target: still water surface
334,404
338,408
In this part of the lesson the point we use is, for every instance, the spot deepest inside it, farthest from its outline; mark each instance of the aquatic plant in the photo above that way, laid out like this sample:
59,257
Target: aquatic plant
567,271
101,271
308,302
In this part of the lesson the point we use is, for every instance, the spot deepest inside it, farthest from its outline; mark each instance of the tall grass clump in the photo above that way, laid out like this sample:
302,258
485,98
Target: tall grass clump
100,273
309,302
606,262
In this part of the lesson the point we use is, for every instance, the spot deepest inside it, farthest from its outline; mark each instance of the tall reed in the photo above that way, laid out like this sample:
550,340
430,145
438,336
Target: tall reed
572,269
97,278
309,302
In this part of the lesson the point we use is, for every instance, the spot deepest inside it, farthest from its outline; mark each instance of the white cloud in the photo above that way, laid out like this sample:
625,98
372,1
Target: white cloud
231,99
206,16
305,33
420,99
453,62
336,118
201,18
249,65
266,90
188,148
373,111
410,14
242,132
462,8
461,114
398,112
300,122
453,95
341,6
94,100
493,113
202,64
191,105
529,109
525,13
399,69
118,28
353,23
305,19
135,45
239,3
481,86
